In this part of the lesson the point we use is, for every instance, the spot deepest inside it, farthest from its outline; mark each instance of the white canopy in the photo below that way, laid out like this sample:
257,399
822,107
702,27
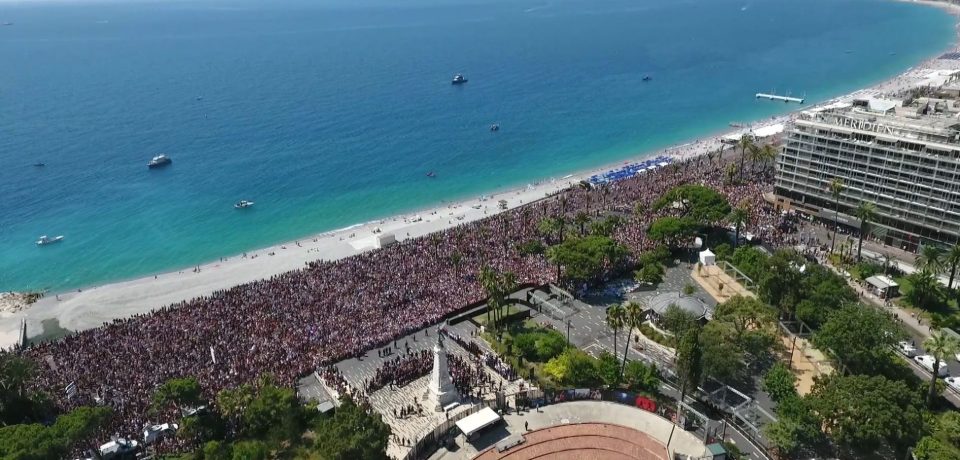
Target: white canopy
707,257
476,422
386,239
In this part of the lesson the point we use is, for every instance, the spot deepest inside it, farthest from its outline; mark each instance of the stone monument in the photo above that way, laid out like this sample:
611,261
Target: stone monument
440,391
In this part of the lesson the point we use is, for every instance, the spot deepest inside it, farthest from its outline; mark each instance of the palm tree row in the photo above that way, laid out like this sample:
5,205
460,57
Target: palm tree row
629,315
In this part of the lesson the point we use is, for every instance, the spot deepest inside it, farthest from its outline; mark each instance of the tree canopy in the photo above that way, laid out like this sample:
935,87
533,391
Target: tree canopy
861,337
41,442
703,205
863,413
587,258
352,433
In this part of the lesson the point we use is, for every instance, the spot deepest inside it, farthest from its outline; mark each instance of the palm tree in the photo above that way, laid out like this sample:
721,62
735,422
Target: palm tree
756,155
866,212
639,211
769,154
581,220
836,188
634,318
738,217
745,143
616,319
731,172
953,259
940,346
548,226
931,259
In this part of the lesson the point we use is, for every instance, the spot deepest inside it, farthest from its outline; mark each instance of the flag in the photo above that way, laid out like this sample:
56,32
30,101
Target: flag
213,356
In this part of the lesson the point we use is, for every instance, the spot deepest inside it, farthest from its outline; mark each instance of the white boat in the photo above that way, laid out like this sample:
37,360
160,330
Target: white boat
243,204
45,240
159,161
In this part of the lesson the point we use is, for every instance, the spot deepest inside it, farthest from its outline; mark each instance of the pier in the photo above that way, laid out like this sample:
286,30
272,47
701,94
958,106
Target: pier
774,97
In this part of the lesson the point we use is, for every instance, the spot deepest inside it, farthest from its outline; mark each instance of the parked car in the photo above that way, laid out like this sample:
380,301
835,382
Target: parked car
907,349
953,382
927,362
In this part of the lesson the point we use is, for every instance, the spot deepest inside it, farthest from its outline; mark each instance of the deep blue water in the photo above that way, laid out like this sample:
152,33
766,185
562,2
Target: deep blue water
328,113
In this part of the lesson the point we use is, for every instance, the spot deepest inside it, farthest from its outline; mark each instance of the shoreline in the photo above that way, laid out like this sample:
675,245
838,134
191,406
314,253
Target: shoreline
90,307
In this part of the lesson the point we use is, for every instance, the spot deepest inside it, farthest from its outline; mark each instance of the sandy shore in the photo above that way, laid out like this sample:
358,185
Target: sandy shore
89,308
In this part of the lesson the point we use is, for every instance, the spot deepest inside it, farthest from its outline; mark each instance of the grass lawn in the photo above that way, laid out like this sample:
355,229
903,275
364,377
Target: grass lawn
511,309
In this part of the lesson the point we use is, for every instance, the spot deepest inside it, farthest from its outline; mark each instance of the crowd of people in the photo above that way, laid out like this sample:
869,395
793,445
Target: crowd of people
302,321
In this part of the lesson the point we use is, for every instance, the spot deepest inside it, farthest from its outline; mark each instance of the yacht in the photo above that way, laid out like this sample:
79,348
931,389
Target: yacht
495,127
458,79
431,174
45,240
647,78
243,204
158,161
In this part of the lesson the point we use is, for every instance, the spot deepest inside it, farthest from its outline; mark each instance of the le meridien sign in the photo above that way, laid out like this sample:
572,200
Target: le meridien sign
862,125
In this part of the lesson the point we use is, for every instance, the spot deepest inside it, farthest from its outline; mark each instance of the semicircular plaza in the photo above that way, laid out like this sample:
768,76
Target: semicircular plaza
583,441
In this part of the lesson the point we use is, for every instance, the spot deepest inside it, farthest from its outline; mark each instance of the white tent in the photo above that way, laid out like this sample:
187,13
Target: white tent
386,239
472,424
708,258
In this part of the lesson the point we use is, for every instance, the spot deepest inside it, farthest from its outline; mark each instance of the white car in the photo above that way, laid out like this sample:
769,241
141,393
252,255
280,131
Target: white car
907,349
118,448
953,382
153,433
927,362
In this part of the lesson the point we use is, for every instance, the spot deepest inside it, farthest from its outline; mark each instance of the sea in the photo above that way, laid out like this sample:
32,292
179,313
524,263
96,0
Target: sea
328,113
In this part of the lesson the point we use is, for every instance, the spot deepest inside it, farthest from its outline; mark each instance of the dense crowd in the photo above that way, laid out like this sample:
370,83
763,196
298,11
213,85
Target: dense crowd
293,324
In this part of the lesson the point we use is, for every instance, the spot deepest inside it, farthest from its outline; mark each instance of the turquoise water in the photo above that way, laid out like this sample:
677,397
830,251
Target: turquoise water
329,113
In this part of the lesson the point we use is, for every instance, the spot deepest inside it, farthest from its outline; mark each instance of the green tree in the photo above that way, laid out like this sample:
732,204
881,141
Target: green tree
608,369
497,286
572,367
40,442
940,346
689,362
943,442
931,259
863,413
745,143
671,230
273,414
182,392
924,289
651,274
634,315
953,261
217,450
797,426
738,217
581,220
250,450
352,433
616,319
641,377
836,188
867,213
743,330
862,338
703,205
678,321
780,383
17,403
588,258
549,227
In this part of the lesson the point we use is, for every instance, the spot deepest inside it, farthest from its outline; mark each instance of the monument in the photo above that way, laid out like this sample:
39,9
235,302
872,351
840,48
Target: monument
440,391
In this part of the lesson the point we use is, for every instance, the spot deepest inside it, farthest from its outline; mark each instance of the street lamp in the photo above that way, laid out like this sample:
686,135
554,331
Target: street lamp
568,333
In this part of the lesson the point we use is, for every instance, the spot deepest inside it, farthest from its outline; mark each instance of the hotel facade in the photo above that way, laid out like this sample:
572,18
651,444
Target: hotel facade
904,158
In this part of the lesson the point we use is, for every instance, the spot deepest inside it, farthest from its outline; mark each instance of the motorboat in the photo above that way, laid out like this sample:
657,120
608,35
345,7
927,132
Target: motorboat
495,127
243,204
647,78
45,240
431,174
458,79
39,165
159,161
